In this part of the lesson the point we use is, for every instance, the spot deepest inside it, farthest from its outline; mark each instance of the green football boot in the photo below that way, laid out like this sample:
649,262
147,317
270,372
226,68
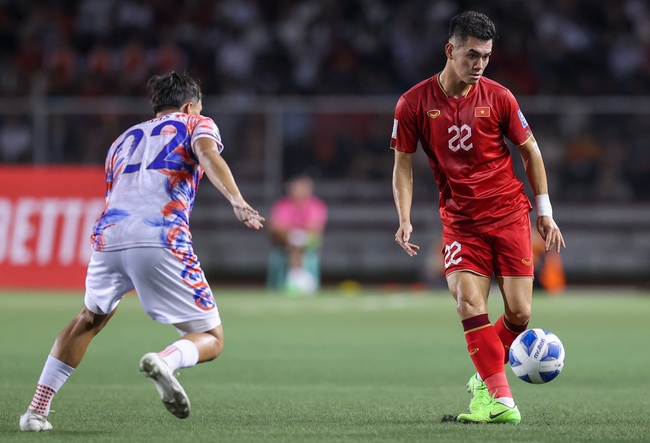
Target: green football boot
494,412
480,395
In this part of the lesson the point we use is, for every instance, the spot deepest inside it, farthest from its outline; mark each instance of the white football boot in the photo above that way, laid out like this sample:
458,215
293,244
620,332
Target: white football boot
31,421
171,392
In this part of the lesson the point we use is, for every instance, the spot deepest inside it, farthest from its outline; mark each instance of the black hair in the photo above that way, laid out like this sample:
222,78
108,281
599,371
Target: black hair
471,24
171,91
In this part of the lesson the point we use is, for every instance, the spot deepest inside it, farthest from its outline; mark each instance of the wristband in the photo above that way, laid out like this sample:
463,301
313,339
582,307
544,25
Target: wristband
543,203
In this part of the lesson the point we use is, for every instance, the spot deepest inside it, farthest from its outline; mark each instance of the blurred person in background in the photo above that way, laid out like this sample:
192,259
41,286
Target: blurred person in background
296,224
142,241
462,119
549,270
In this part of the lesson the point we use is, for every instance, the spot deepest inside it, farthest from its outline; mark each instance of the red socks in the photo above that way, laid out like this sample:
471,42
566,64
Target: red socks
487,352
497,385
507,333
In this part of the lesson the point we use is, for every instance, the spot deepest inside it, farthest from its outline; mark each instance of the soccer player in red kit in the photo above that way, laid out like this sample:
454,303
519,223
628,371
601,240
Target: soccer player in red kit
461,120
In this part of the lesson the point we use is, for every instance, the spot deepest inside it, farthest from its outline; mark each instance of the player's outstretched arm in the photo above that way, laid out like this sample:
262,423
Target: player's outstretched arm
219,174
403,195
536,172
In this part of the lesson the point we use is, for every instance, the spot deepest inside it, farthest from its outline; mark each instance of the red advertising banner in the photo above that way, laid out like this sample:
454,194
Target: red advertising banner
46,218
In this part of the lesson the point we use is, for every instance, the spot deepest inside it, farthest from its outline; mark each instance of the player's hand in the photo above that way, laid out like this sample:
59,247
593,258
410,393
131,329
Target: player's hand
550,232
249,216
402,237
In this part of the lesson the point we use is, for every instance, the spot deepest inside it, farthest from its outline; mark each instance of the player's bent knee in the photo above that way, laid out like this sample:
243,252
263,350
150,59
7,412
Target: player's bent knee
212,349
470,306
213,343
89,320
209,341
217,333
520,317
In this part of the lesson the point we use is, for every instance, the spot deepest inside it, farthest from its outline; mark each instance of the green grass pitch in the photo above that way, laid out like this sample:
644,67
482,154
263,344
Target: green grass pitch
376,367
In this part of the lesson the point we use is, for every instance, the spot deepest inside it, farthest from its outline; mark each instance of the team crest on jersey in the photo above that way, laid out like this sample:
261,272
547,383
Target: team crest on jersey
524,123
482,111
433,113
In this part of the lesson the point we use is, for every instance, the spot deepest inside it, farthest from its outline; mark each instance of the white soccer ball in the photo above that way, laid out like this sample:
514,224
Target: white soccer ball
537,356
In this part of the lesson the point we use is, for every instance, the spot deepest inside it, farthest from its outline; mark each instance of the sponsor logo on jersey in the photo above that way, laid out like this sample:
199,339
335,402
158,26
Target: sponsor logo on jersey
433,113
527,261
524,123
482,111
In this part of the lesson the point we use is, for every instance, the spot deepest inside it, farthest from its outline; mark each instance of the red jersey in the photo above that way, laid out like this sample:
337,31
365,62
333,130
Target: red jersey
468,154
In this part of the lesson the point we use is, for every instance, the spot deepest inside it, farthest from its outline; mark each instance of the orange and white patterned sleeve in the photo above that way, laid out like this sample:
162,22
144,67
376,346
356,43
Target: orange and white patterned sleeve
201,126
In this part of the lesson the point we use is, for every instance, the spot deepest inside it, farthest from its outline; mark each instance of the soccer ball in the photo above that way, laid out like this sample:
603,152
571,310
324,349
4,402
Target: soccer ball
536,356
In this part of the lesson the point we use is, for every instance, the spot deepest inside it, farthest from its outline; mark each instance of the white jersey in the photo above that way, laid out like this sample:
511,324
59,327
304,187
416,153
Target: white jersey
152,176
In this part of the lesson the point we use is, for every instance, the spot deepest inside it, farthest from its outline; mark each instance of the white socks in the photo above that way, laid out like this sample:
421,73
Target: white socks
180,354
54,374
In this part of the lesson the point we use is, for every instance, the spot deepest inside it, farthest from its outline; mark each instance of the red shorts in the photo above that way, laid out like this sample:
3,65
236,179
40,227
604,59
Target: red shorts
504,252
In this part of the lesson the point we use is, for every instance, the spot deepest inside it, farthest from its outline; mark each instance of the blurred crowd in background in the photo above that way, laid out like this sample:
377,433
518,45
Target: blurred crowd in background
278,47
94,48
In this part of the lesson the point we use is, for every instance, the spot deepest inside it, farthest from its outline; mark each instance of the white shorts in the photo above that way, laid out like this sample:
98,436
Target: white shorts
172,289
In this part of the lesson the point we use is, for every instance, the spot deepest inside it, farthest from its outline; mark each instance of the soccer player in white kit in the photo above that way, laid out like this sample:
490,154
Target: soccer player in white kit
142,241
